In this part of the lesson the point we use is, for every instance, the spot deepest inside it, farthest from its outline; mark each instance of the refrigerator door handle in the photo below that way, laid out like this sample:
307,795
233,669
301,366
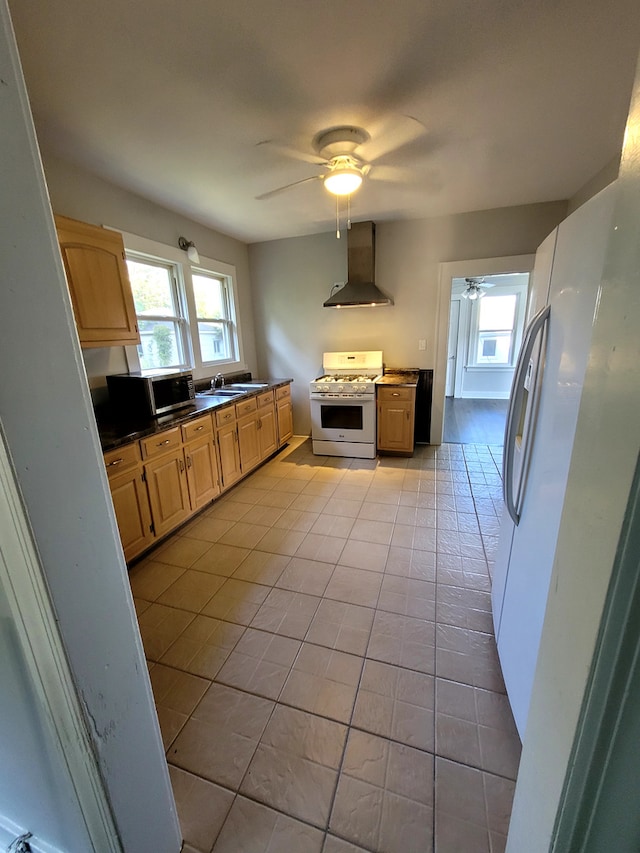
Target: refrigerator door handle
515,407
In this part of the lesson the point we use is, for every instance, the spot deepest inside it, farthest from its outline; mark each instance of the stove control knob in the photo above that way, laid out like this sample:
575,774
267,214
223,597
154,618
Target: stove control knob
340,388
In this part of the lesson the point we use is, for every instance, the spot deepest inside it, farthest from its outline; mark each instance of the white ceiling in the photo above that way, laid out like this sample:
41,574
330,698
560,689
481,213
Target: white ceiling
521,100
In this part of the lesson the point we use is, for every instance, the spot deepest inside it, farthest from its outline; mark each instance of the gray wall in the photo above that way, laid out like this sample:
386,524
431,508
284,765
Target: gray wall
81,195
292,278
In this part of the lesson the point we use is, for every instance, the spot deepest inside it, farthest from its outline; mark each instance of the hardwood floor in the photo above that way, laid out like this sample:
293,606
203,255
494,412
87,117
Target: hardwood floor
474,421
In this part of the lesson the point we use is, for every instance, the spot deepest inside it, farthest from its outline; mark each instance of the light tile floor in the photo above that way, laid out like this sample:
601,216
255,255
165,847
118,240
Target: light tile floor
321,653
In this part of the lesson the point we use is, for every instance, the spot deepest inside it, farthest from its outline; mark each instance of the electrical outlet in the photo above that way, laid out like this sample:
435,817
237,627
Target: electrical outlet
422,344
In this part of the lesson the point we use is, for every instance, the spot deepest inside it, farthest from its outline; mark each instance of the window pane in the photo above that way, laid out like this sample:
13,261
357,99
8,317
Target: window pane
497,312
152,289
494,348
209,296
159,344
214,341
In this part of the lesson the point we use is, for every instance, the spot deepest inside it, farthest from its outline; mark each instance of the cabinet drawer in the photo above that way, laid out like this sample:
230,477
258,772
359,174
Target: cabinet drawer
161,443
283,391
246,407
225,416
122,459
197,428
396,393
265,399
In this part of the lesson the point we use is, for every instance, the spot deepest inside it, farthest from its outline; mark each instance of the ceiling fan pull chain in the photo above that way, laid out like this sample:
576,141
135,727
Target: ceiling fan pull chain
337,217
349,212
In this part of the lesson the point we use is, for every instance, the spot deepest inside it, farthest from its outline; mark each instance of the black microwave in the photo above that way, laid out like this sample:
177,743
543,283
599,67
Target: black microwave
151,394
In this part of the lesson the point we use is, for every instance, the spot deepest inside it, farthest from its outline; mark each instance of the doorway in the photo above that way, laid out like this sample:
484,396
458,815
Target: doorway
475,358
486,321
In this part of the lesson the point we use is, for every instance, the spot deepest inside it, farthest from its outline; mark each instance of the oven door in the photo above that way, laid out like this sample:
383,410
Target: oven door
344,419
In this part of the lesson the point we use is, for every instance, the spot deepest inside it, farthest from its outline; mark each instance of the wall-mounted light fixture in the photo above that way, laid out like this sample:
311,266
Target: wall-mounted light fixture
190,248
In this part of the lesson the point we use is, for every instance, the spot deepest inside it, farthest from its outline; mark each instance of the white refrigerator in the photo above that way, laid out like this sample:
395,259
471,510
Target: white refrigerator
541,423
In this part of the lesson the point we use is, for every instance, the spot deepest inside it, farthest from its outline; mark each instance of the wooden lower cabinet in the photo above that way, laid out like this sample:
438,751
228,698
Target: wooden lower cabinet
201,460
284,414
229,454
267,432
159,482
396,416
131,505
168,491
202,471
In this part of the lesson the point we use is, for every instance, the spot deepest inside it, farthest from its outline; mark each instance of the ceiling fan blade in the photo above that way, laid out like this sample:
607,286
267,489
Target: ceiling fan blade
392,134
293,153
391,173
288,187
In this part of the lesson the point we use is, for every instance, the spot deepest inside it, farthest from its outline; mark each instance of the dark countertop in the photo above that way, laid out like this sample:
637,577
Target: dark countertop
115,431
399,376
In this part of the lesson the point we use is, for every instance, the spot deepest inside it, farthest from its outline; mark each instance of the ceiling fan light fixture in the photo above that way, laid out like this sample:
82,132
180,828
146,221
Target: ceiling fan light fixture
474,290
343,181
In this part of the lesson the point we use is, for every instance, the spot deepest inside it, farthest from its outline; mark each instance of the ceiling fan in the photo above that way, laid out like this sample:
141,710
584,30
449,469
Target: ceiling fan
347,153
476,288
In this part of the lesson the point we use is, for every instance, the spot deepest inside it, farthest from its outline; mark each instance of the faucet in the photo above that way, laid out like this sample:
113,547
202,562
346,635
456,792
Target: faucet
217,381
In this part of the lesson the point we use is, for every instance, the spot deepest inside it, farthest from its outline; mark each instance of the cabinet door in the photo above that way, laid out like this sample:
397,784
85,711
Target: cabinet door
202,471
267,432
395,426
168,491
248,442
99,284
229,454
131,505
285,420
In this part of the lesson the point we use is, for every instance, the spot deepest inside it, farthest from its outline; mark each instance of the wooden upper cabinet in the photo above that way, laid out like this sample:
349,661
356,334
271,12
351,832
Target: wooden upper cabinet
98,280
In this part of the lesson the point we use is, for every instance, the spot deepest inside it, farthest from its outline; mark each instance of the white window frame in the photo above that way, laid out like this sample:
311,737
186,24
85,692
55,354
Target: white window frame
181,318
228,322
140,248
520,292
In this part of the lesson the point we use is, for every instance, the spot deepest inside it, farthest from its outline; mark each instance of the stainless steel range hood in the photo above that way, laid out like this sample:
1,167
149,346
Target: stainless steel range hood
360,289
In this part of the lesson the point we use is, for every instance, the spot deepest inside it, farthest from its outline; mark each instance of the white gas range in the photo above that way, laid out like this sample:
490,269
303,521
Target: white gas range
343,404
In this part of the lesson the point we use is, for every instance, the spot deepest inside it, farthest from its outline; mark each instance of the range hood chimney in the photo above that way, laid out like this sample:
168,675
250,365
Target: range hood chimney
360,289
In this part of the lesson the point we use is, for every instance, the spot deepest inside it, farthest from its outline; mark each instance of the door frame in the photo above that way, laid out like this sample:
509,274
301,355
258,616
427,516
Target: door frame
42,650
453,374
447,272
598,805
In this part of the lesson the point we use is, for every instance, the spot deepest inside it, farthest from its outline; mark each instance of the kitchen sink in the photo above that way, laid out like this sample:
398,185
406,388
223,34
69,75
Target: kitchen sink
248,386
219,392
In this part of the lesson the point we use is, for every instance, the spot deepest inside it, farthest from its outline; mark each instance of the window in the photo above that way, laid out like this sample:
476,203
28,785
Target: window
161,321
495,320
215,328
186,315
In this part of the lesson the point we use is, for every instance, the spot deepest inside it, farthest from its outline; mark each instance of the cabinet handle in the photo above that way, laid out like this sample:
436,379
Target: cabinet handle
395,394
181,463
161,443
407,414
115,462
259,423
188,462
197,429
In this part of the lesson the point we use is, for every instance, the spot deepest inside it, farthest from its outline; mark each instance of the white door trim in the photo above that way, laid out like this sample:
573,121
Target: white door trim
447,272
28,599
